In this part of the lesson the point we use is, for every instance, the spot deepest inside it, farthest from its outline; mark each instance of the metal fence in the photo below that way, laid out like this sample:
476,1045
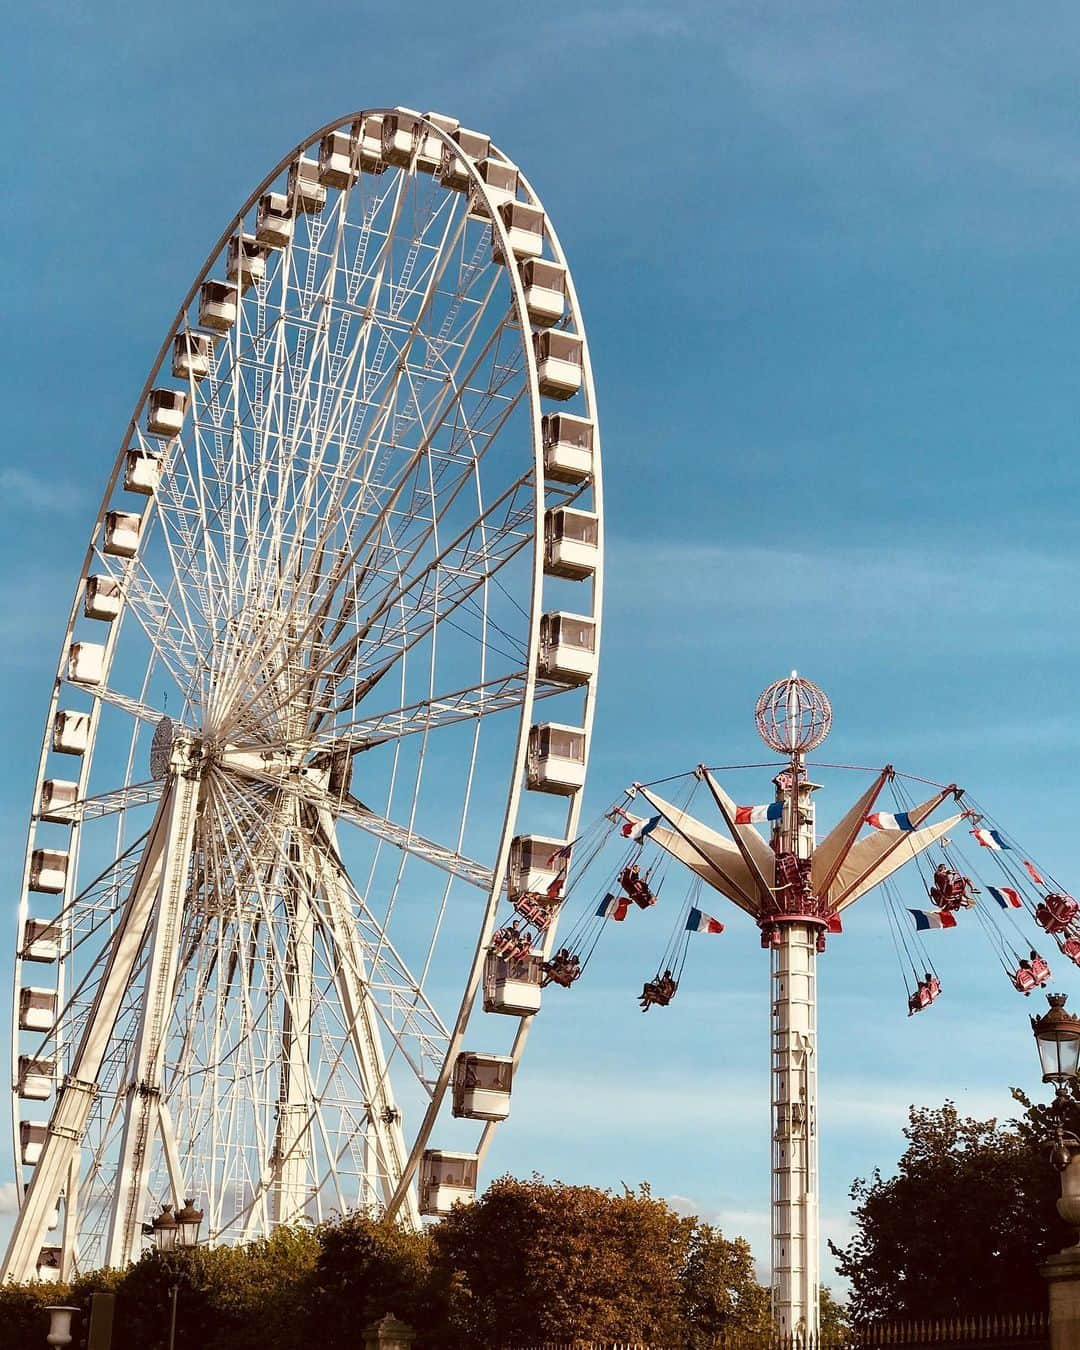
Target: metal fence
993,1331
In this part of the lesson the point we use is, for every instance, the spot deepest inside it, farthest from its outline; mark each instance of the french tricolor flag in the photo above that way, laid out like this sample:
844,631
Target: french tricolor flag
613,907
754,815
639,830
990,839
699,922
933,918
890,820
1006,897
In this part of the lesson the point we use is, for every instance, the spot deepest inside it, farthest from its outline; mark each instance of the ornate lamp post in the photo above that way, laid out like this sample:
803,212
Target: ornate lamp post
1057,1035
171,1232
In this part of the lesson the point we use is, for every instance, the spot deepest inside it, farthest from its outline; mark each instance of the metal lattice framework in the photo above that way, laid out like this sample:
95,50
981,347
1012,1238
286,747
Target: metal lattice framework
291,731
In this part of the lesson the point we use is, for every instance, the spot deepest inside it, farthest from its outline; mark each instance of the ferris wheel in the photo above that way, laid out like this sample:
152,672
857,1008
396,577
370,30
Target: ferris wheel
293,765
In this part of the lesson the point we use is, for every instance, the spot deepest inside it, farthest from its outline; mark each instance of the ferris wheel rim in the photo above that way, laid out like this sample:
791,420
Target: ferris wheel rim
512,811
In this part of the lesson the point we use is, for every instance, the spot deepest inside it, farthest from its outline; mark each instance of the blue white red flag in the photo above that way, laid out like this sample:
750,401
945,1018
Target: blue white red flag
990,839
699,922
933,918
890,820
613,907
1006,897
1033,873
561,855
754,815
639,830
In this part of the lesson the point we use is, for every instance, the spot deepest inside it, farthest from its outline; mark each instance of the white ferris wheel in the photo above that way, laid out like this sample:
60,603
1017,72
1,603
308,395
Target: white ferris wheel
293,773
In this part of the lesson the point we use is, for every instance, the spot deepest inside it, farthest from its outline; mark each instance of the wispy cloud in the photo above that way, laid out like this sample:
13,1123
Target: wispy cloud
40,493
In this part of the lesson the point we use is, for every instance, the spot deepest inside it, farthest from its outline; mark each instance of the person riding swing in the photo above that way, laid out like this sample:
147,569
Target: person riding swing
636,887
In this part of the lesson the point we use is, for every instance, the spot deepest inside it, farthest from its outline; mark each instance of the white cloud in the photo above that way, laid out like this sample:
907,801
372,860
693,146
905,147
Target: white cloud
40,493
9,1201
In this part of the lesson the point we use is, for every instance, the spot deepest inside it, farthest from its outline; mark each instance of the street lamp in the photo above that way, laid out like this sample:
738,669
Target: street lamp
171,1232
1057,1034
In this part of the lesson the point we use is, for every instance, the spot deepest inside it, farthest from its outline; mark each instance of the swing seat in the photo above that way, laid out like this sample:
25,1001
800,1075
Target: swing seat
770,935
1055,918
1024,980
1071,948
1040,970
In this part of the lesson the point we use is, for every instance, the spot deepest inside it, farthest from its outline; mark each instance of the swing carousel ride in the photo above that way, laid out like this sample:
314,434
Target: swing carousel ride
797,888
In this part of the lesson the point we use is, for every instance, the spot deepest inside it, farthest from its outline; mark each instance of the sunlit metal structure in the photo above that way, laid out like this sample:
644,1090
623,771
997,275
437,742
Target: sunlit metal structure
351,537
796,890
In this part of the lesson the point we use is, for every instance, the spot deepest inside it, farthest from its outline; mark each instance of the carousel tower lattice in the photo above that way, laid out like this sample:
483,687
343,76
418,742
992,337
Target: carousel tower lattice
796,892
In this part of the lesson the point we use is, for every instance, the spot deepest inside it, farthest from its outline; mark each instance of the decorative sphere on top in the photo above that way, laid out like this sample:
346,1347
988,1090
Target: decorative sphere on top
793,715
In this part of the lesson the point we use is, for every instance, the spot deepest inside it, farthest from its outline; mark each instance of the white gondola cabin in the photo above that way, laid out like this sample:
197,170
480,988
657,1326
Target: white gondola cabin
57,801
274,220
217,305
37,1008
556,761
31,1141
474,146
165,414
245,260
446,1180
71,732
48,1265
571,543
41,941
86,662
102,598
37,1078
568,448
122,530
544,284
535,864
558,363
513,987
191,355
142,472
305,191
400,131
481,1087
48,870
567,648
336,166
429,155
524,230
501,181
368,136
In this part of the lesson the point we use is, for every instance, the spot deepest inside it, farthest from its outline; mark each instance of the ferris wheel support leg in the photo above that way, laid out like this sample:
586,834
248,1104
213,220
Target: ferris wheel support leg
68,1254
795,1198
363,1023
141,1111
76,1095
290,1166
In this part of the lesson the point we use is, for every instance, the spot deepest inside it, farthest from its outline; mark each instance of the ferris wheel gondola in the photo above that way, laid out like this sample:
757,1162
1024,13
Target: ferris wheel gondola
352,535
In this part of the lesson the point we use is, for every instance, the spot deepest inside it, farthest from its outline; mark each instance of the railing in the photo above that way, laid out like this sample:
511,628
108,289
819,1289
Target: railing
991,1331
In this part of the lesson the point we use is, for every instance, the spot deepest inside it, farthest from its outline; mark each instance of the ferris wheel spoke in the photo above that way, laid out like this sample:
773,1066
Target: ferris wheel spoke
414,606
501,694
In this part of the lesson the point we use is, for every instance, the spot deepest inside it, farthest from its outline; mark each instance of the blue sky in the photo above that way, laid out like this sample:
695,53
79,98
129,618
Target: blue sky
826,255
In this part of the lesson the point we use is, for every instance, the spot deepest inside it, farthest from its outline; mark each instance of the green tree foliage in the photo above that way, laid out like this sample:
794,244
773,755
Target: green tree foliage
367,1267
962,1225
530,1261
719,1292
536,1261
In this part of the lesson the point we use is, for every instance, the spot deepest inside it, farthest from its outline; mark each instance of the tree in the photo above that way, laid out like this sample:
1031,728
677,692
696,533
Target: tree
367,1267
535,1261
963,1224
720,1293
